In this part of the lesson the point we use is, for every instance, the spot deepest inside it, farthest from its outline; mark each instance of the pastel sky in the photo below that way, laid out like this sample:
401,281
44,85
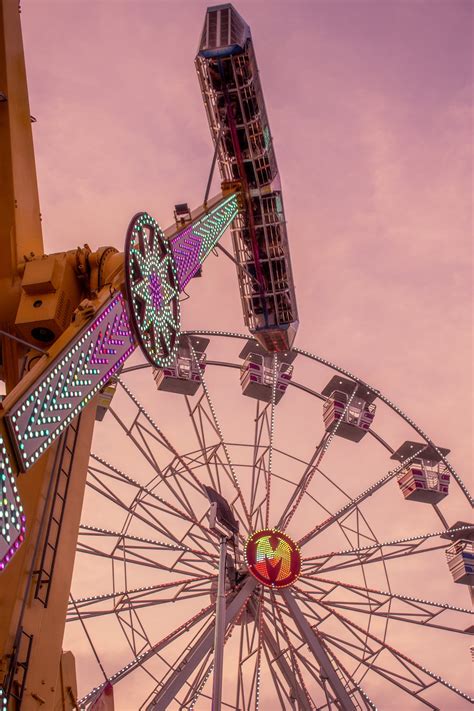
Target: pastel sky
370,109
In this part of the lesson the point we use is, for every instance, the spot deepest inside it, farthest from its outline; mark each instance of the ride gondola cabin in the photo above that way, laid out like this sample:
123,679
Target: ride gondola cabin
256,373
184,375
426,477
350,422
460,555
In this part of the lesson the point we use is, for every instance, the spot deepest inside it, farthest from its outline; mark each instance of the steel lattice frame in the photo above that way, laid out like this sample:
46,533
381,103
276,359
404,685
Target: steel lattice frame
164,563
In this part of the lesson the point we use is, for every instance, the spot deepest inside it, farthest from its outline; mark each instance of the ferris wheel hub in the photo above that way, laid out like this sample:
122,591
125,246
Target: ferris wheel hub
273,558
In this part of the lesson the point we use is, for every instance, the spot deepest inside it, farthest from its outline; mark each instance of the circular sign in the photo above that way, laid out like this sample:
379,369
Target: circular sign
152,290
273,558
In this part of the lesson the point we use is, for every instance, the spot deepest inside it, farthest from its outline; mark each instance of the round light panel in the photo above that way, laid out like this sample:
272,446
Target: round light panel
152,290
273,558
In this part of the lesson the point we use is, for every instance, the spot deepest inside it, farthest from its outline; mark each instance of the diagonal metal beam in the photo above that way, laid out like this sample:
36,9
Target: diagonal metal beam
288,675
311,639
172,687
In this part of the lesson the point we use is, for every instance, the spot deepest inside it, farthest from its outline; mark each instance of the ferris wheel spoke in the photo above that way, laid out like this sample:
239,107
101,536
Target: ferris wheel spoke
315,673
208,452
357,691
313,466
133,631
416,677
151,543
317,649
144,447
412,545
145,499
139,660
258,656
282,694
141,436
259,465
209,456
356,500
226,451
130,557
148,501
302,486
235,603
377,602
175,668
299,689
404,680
194,687
142,551
93,606
270,444
359,648
138,436
354,689
197,687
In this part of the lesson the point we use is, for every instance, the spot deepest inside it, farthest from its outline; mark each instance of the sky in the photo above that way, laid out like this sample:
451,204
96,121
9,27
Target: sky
370,109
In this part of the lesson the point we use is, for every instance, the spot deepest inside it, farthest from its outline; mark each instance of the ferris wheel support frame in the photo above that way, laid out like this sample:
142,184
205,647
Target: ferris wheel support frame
179,677
318,651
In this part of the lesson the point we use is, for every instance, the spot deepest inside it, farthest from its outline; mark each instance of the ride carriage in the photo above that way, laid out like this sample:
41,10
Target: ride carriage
256,373
346,413
426,477
184,375
460,555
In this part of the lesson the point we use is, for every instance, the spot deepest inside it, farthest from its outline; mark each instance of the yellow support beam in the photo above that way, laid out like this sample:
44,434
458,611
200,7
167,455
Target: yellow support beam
20,220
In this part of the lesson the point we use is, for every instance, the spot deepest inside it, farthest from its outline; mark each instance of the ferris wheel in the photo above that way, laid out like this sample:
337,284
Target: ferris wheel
337,592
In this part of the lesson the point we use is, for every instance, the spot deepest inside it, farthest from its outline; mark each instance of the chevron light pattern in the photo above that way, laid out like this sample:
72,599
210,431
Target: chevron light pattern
70,382
12,519
191,246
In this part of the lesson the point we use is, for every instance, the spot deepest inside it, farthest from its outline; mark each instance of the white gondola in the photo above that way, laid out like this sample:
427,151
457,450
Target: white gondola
184,376
256,373
426,477
460,557
348,421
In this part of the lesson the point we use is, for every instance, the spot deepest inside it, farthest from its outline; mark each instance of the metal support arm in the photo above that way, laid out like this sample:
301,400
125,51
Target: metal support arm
311,639
287,672
204,646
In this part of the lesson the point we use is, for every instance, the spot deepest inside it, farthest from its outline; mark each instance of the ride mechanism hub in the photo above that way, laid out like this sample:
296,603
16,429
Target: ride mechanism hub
273,558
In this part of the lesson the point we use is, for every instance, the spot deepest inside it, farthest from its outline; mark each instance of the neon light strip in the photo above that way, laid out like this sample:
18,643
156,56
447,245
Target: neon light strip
191,246
71,381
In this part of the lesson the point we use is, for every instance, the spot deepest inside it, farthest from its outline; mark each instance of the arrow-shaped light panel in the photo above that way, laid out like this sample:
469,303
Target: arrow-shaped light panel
70,382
